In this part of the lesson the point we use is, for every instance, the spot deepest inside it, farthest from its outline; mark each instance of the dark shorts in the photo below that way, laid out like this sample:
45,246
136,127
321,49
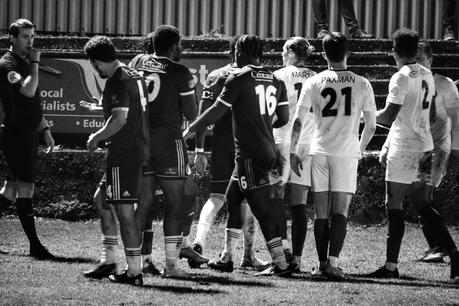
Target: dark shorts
20,147
253,174
168,154
123,179
221,168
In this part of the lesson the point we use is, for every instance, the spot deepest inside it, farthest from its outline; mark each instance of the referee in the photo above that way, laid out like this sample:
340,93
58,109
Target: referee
23,122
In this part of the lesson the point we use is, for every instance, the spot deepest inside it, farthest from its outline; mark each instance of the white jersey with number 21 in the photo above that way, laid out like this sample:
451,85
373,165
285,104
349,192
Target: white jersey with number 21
338,98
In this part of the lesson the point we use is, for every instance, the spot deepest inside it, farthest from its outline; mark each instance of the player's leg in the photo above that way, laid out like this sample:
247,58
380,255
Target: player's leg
440,158
23,166
419,196
233,230
107,262
249,259
7,195
299,188
343,183
320,178
221,168
123,189
189,207
401,170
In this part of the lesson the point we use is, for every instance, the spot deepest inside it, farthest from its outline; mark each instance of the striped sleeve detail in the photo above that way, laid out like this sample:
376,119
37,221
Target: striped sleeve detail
223,102
187,93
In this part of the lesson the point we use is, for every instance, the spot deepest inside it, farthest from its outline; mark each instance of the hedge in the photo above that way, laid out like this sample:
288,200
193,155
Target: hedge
67,179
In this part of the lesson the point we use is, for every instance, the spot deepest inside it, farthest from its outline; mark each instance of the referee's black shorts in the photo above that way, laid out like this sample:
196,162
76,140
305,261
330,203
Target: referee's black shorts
20,147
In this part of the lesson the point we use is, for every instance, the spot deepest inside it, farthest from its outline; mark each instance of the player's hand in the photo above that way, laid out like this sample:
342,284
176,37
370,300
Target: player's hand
91,106
186,134
49,141
383,156
34,55
200,162
296,163
92,143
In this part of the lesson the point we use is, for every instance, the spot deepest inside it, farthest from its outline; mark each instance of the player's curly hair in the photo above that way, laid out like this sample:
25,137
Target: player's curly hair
164,37
300,46
406,42
100,48
147,44
251,45
336,46
425,48
21,23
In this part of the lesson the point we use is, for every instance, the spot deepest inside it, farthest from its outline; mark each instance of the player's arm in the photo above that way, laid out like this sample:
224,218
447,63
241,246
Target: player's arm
452,109
369,117
47,136
398,87
113,124
210,116
282,112
30,83
368,129
302,108
188,96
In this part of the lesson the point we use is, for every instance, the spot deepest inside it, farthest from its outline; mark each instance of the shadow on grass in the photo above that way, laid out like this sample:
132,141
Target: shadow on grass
181,289
404,281
56,259
205,279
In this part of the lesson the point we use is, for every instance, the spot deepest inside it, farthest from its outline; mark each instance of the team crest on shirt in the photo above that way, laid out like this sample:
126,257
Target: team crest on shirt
13,77
191,84
115,99
394,91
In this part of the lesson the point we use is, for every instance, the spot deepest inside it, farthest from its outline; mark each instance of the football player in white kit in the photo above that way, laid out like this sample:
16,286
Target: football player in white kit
295,52
338,97
444,126
409,156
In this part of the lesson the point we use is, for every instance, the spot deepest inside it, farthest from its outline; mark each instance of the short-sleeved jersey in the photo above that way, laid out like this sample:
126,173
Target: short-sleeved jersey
413,88
19,109
167,81
447,96
254,94
294,78
338,98
126,89
222,130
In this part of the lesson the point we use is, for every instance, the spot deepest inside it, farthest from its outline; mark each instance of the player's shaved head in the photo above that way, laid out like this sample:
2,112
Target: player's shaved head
251,45
336,46
300,46
406,43
100,48
165,37
18,24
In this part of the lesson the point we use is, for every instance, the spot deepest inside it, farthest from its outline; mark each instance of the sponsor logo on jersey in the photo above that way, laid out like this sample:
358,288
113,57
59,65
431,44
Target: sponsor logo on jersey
394,91
114,99
262,75
152,64
414,74
13,77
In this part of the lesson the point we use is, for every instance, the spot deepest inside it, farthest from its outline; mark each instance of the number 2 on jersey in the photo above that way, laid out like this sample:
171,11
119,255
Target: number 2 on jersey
266,98
425,87
328,111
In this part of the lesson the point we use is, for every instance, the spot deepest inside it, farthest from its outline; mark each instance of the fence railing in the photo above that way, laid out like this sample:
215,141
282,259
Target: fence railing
267,18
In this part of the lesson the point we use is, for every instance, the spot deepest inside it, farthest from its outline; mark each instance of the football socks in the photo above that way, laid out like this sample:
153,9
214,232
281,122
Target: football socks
299,228
25,214
248,228
134,261
337,234
321,235
395,234
232,236
208,213
277,253
108,252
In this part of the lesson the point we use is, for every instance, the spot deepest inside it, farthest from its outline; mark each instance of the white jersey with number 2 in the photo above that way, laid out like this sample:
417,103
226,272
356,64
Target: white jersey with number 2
338,98
412,87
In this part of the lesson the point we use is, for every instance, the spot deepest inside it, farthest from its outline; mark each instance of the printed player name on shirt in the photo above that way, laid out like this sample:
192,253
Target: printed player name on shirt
302,74
338,79
262,75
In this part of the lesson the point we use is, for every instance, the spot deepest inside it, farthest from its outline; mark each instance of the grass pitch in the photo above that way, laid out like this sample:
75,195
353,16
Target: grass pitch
24,280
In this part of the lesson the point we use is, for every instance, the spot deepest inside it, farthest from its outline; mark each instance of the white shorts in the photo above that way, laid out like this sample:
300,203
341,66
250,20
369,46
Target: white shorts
440,158
408,167
288,176
334,173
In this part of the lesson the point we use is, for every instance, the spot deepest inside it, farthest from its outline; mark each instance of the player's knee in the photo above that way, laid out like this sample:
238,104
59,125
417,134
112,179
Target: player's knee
24,189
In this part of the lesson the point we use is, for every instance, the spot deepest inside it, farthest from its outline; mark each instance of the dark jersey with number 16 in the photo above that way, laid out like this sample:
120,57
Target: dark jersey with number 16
254,94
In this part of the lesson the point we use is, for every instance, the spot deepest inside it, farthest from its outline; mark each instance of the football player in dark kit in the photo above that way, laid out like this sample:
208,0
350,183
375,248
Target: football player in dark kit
125,130
254,95
171,95
23,122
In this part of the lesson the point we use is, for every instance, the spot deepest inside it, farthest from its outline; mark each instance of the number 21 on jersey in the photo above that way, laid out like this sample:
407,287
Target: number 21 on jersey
266,98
